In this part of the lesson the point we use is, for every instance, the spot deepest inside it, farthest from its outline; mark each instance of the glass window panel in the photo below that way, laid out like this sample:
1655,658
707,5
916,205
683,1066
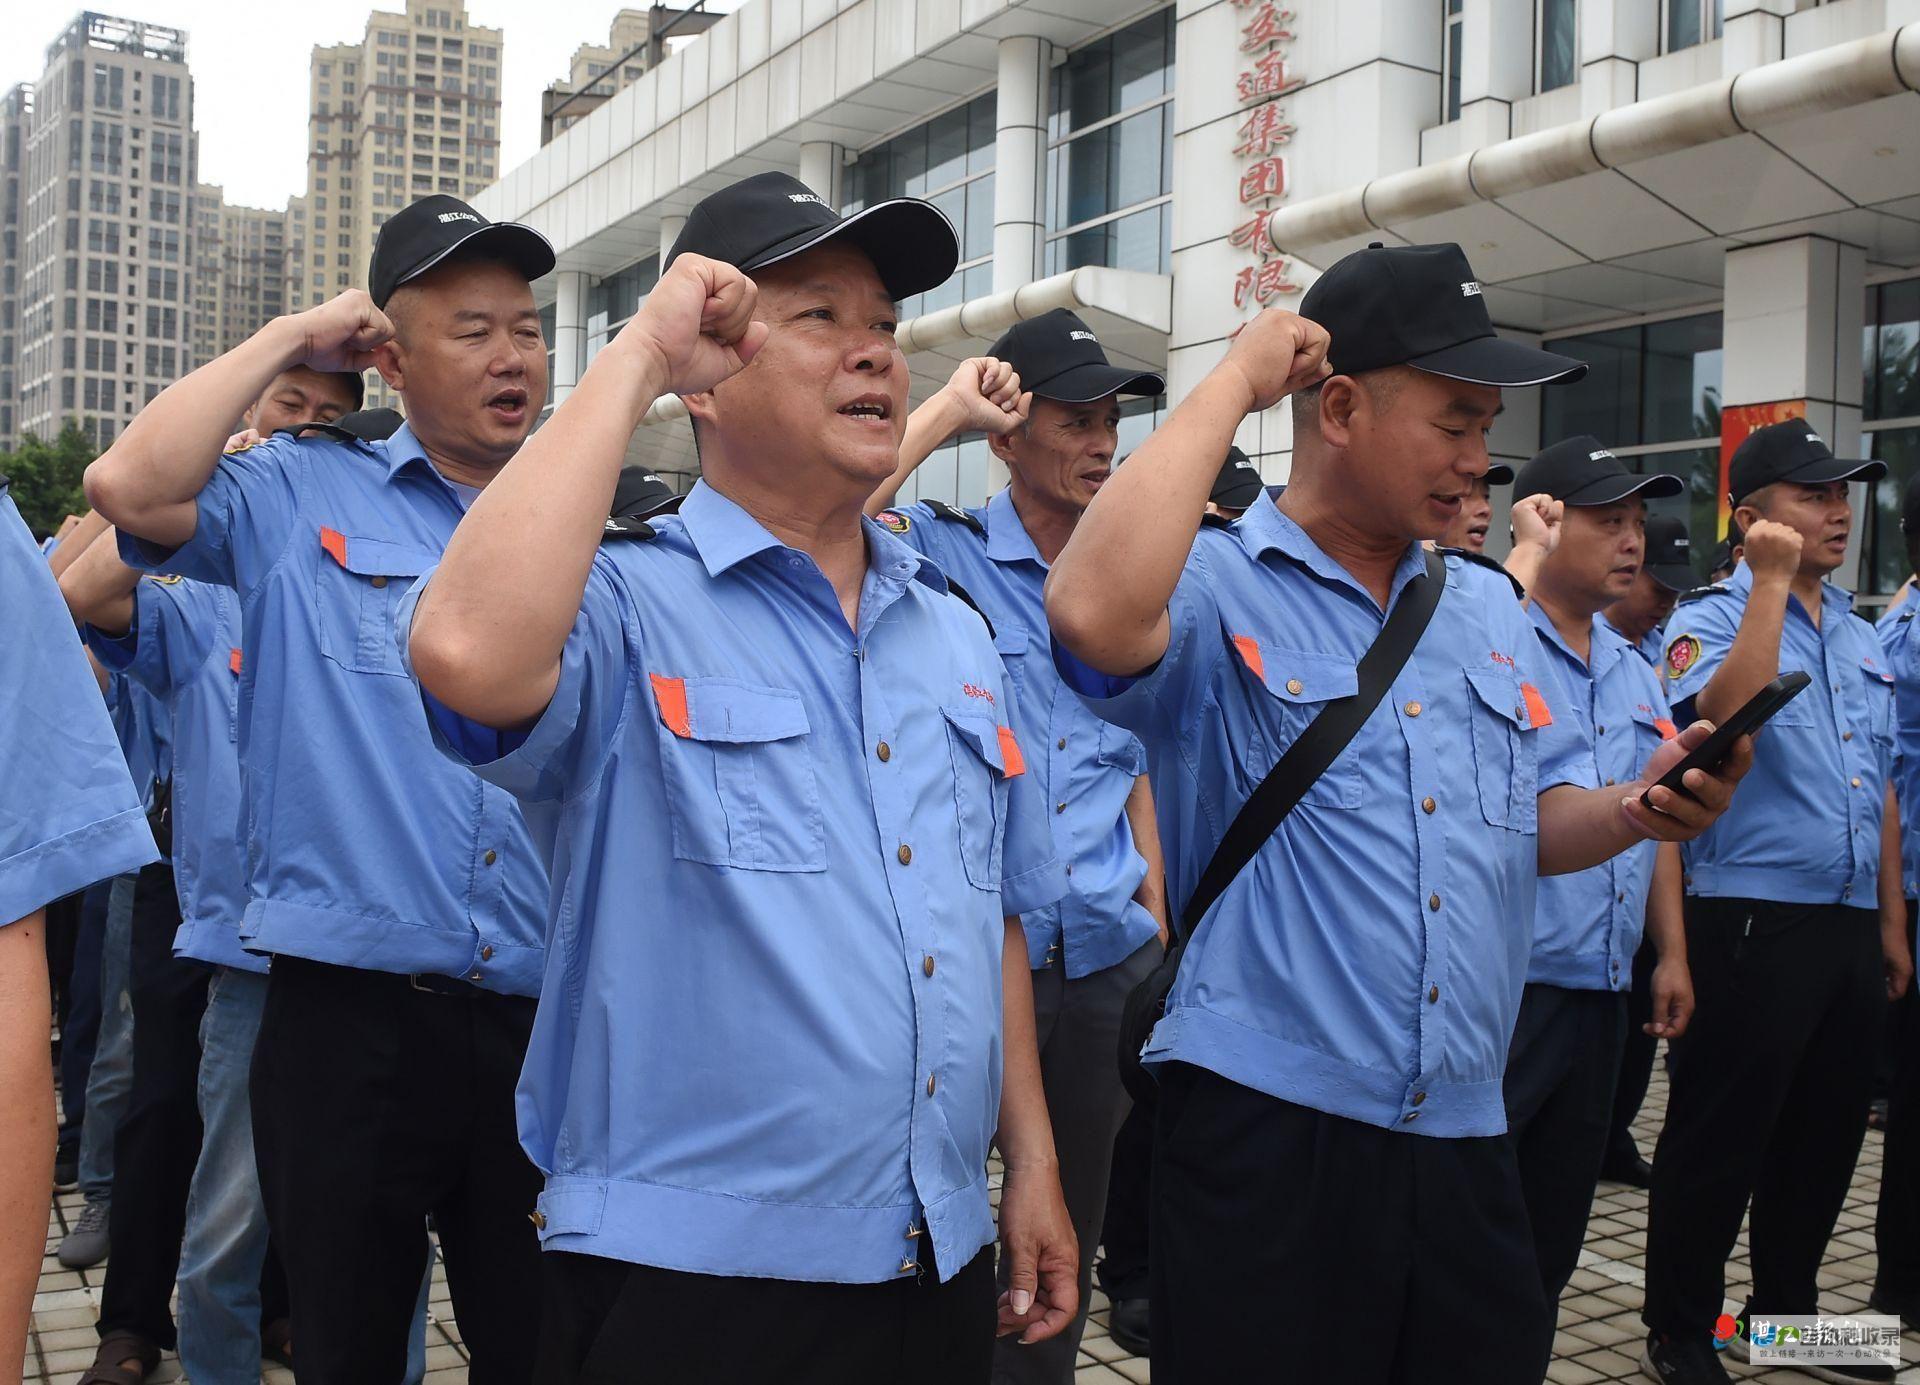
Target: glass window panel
1087,86
953,203
1683,24
947,148
981,134
1083,184
1140,62
909,172
1681,395
1137,162
1893,386
1135,240
1138,419
1559,63
1699,505
1884,564
970,484
936,478
1454,31
978,239
944,296
977,282
1606,402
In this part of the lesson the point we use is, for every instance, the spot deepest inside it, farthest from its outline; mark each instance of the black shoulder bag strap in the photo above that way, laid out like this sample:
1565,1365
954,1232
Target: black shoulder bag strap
1260,816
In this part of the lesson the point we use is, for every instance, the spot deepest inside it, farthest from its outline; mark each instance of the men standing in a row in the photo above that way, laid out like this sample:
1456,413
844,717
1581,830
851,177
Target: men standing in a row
763,1084
1332,1135
195,1215
1796,928
1896,1227
68,816
1089,950
400,898
1587,925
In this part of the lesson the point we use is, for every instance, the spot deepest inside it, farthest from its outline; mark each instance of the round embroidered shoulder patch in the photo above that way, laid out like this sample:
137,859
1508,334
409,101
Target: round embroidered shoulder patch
894,521
1683,652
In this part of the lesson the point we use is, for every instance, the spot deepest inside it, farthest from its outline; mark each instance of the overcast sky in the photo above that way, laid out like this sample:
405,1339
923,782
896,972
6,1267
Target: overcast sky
249,60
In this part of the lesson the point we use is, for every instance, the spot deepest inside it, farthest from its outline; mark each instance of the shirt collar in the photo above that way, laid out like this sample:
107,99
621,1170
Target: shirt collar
403,450
1007,538
724,535
1263,529
1605,646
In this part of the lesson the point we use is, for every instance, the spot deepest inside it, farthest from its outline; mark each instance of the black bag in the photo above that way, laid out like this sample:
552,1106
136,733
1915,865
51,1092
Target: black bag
1259,817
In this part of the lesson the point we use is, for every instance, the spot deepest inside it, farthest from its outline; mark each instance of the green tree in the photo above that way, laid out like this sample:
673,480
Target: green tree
45,477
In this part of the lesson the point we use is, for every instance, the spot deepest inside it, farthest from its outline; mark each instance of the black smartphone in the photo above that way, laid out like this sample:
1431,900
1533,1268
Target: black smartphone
1750,718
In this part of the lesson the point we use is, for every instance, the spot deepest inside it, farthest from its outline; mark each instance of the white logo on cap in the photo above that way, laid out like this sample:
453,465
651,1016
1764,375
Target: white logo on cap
1470,289
1246,465
804,197
1082,336
1596,456
458,216
1683,542
1815,437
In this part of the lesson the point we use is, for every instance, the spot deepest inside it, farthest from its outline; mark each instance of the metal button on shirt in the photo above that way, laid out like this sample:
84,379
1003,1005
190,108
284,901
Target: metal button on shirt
780,1093
1314,1000
181,650
1584,919
1805,826
301,530
1092,765
68,811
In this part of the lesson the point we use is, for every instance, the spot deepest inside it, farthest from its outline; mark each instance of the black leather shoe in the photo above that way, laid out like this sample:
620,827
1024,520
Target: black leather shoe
1629,1169
1127,1324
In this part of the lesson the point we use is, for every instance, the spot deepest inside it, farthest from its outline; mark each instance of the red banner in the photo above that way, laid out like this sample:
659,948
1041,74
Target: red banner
1736,421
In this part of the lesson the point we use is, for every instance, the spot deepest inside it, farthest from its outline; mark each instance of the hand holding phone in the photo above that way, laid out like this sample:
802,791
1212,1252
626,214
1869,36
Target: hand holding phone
1712,752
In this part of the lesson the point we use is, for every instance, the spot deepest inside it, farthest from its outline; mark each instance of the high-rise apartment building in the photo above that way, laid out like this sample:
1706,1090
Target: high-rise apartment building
411,109
636,41
105,297
16,111
240,271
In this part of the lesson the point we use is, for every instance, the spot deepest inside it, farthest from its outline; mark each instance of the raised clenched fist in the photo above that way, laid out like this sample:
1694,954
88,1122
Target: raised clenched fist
987,392
1773,550
697,325
340,334
1277,353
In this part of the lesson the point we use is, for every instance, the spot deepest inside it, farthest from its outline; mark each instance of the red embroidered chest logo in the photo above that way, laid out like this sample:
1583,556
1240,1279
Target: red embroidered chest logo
971,691
1500,658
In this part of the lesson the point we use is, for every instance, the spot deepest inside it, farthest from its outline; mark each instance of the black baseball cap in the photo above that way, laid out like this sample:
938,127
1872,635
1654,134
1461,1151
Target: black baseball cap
1580,471
1669,556
1792,451
421,235
638,493
1238,484
1058,357
771,217
1420,305
1498,474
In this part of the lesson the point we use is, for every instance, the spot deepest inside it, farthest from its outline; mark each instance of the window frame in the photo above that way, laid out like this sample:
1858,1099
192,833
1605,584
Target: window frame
1540,47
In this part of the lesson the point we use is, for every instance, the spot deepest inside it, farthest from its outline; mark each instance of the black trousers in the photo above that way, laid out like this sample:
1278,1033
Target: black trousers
1896,1226
1636,1056
610,1323
1561,1068
79,924
375,1106
1768,1104
1123,1268
158,1141
1403,1259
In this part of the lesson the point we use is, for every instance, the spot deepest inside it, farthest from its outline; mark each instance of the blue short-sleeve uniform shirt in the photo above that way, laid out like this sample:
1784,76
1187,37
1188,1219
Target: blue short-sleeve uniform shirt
1902,655
1082,767
365,847
68,812
1587,925
1369,961
1805,826
769,1039
183,648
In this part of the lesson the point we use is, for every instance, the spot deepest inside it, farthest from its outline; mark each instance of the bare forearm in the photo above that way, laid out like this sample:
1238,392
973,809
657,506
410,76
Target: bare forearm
1107,594
1583,827
148,480
99,588
1144,824
930,426
490,627
1666,916
26,1128
1523,563
91,526
1753,661
1026,1135
1892,881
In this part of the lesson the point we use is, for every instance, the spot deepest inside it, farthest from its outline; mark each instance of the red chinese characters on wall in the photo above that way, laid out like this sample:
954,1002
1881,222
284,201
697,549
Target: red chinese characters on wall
1265,130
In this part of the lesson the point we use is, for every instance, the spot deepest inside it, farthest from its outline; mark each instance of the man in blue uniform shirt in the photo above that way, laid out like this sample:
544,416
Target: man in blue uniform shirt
1796,927
763,1082
1092,948
400,898
1587,925
1896,1227
68,817
1331,1138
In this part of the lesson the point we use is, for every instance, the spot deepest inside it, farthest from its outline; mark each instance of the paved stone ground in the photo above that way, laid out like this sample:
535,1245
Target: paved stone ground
1599,1338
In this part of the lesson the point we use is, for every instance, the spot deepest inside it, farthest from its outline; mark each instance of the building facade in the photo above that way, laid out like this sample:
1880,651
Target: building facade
1716,202
104,299
16,115
411,109
635,41
240,271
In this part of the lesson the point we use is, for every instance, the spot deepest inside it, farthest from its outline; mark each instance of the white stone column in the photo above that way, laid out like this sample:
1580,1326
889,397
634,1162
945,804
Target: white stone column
1496,67
823,168
671,226
1794,315
1616,36
569,332
1020,162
